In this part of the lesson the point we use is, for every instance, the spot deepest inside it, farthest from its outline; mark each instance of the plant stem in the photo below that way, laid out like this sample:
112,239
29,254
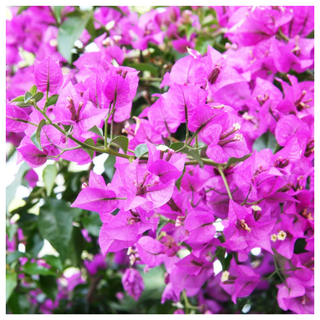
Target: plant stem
84,145
151,79
24,121
112,114
187,303
225,181
106,129
245,200
278,270
282,35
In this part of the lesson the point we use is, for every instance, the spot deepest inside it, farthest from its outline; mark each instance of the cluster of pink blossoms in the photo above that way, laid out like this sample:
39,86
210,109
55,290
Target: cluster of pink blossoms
183,203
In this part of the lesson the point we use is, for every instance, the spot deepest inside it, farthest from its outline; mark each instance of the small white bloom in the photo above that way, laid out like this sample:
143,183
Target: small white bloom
281,235
162,147
224,276
256,208
274,237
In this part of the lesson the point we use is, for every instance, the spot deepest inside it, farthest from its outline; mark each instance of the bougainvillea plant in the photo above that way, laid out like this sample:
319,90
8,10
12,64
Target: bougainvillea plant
202,120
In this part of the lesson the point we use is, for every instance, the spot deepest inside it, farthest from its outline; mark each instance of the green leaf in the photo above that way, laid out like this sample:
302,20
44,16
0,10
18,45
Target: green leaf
121,142
11,230
89,151
18,99
48,285
117,9
13,256
145,67
220,253
92,223
232,161
12,188
27,97
178,182
160,226
33,90
189,30
35,137
176,146
109,166
49,175
57,13
52,100
53,261
55,224
97,131
69,32
75,248
91,29
140,150
38,96
33,268
193,153
34,244
22,8
19,303
21,104
202,43
11,283
266,141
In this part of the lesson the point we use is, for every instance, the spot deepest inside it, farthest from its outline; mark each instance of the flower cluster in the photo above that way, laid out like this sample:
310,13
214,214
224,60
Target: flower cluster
242,177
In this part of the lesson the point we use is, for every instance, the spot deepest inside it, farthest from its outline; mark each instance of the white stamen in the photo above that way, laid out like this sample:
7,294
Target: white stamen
238,137
236,126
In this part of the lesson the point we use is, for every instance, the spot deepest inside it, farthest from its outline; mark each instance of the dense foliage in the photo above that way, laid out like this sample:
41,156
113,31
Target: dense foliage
203,118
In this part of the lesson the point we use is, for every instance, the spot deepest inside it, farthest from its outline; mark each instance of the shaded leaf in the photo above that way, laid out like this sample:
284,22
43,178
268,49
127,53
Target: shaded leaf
109,166
34,244
55,224
33,268
92,223
145,67
11,283
53,261
48,285
266,141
